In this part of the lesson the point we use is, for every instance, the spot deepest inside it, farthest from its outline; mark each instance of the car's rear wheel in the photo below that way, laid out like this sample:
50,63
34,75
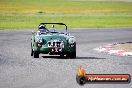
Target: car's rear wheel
36,54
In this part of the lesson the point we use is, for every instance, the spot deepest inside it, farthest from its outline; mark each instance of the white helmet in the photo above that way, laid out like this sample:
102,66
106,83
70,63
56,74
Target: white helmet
41,26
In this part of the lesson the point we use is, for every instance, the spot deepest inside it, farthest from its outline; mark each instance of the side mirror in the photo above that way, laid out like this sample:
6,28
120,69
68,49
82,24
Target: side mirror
53,26
67,33
33,32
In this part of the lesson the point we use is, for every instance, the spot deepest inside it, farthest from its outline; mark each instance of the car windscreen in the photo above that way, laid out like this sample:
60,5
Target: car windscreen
54,28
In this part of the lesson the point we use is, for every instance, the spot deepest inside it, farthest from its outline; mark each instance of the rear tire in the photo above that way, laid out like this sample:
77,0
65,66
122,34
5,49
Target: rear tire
36,54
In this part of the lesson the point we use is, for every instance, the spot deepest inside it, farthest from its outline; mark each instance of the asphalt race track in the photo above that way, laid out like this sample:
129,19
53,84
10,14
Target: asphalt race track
19,70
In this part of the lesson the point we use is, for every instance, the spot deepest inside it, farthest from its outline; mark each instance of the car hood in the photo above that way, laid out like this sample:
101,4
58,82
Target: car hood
55,36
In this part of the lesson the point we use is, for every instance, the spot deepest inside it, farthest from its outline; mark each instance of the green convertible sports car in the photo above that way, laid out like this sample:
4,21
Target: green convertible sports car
52,41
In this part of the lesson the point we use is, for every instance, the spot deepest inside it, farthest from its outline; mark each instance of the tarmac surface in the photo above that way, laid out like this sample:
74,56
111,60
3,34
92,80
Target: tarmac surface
19,70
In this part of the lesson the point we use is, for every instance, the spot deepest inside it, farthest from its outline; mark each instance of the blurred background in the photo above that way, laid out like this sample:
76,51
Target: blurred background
27,14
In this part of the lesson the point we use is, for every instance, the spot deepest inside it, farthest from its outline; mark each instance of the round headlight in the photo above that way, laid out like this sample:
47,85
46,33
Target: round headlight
39,40
72,40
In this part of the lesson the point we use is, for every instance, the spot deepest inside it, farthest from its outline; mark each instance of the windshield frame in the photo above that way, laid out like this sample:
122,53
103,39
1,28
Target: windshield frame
55,28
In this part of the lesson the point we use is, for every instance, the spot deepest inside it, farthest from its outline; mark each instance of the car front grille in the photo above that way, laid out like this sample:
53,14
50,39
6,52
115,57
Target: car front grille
56,44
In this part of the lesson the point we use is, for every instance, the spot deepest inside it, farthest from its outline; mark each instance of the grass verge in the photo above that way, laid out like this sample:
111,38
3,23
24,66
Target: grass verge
73,21
23,14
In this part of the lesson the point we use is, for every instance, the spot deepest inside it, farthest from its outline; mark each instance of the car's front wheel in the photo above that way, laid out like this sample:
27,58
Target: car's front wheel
31,52
36,54
71,54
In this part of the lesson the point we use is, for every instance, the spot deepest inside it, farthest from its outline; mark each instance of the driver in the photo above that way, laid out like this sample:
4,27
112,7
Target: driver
42,28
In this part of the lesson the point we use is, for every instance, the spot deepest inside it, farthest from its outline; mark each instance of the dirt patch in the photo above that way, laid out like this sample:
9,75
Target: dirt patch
124,46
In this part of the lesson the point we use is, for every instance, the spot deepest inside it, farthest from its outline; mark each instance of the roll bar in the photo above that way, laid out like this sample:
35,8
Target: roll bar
58,24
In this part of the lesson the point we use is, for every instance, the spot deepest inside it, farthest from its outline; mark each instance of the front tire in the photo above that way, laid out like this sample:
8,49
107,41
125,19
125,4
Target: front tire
71,54
36,54
31,52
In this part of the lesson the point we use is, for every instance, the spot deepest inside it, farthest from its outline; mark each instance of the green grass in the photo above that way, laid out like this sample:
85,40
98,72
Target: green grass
87,21
27,14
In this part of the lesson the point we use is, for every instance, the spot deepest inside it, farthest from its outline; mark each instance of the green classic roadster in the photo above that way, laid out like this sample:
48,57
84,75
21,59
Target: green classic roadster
52,41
